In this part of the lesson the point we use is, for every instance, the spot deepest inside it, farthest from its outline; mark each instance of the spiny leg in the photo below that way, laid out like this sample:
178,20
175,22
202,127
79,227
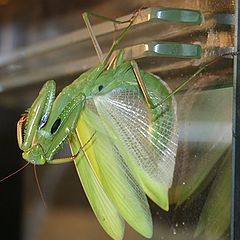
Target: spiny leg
116,60
94,39
91,33
201,69
182,85
112,62
120,38
142,84
144,89
73,140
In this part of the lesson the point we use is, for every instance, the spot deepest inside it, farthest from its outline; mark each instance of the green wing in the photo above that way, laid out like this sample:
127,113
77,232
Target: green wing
102,206
108,164
131,148
150,136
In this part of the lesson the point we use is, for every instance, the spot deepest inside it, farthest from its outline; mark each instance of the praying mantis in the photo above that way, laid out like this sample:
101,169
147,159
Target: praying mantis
121,125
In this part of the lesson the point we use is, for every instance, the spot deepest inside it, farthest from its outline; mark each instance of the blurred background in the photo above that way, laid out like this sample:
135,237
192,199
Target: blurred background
47,39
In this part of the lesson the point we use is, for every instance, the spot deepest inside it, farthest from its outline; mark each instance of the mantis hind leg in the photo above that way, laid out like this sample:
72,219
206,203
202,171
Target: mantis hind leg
115,44
92,36
142,84
176,90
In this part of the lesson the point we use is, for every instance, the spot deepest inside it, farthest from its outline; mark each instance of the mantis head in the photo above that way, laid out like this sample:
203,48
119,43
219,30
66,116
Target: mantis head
49,122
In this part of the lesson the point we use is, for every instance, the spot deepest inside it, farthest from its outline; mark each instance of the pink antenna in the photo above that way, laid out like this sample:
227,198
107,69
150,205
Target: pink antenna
39,187
14,173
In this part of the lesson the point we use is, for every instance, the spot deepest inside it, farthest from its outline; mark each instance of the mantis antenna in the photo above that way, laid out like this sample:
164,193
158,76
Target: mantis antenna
15,172
38,186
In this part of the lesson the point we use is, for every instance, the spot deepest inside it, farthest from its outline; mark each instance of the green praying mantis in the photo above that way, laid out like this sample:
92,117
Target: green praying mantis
121,125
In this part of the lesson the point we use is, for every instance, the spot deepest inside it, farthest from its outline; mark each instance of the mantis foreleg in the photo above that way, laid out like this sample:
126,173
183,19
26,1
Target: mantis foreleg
74,139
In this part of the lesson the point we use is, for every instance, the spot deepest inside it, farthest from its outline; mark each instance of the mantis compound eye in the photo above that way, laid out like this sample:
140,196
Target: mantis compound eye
55,126
100,87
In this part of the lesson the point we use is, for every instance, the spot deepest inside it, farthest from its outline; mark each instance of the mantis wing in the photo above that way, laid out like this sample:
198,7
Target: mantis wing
102,206
149,135
107,162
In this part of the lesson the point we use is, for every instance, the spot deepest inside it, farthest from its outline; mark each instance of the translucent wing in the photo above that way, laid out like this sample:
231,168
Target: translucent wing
102,206
108,163
149,135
